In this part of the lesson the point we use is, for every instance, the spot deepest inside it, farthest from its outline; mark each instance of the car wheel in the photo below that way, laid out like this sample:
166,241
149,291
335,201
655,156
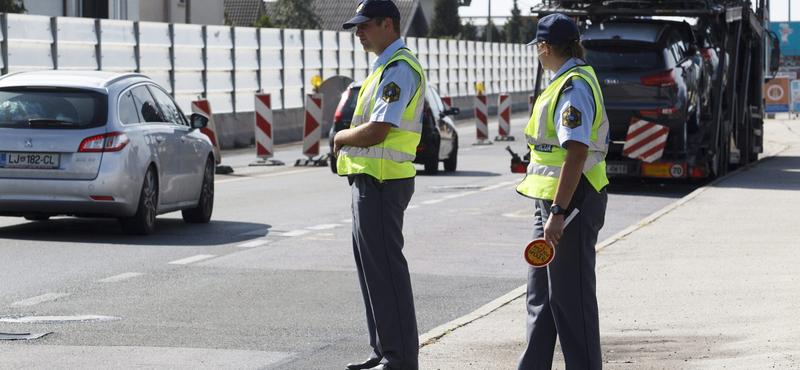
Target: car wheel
451,161
143,222
205,205
432,164
333,165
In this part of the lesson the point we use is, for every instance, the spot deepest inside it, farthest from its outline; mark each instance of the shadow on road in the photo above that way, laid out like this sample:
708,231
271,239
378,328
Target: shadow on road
169,232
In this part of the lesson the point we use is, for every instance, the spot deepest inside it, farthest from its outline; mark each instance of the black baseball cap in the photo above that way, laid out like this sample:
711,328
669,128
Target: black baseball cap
368,9
556,29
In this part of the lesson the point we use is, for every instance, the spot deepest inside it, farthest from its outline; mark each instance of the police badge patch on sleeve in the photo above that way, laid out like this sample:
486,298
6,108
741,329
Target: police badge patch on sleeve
391,92
571,118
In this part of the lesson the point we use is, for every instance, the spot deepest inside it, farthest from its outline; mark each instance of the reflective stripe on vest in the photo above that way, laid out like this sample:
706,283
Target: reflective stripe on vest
547,156
391,158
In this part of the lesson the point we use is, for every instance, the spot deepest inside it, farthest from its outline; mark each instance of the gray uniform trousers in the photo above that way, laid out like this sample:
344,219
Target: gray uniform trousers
561,297
378,210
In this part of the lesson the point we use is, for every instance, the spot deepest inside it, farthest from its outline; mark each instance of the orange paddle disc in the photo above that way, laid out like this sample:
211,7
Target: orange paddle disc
538,253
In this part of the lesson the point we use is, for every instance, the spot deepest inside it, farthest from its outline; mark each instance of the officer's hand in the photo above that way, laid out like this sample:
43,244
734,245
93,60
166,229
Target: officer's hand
336,146
553,229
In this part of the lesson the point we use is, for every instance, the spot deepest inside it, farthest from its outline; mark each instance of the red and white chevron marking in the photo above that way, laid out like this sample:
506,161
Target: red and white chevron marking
264,141
645,141
312,130
204,107
480,118
504,113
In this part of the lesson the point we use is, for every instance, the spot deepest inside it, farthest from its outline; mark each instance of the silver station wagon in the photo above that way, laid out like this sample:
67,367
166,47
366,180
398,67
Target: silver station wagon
101,144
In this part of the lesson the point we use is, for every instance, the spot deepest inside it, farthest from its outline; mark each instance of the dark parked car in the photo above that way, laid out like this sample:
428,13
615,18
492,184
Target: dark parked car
439,141
650,70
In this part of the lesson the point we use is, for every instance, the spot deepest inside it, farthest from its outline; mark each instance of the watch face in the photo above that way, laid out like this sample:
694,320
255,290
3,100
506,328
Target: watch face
556,210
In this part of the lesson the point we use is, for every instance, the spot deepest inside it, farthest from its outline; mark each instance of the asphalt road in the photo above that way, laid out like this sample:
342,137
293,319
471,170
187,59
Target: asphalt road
270,283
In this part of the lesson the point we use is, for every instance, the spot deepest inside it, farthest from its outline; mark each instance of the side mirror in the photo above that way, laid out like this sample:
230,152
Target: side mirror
450,112
775,53
198,121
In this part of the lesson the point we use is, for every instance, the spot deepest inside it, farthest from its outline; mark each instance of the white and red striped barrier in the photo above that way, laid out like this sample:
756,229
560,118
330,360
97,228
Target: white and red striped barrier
204,107
481,123
312,130
264,141
645,141
504,118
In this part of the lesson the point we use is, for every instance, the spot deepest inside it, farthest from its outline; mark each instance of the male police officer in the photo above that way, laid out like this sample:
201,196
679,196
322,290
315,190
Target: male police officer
376,154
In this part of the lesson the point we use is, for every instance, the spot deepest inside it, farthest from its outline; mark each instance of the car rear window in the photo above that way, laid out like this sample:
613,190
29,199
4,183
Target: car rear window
52,108
605,56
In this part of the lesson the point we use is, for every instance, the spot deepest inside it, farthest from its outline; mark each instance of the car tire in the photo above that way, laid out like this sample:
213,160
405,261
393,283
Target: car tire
205,204
332,159
451,161
143,222
432,164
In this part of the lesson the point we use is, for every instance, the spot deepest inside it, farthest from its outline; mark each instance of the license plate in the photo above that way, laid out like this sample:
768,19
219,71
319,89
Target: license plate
30,160
619,169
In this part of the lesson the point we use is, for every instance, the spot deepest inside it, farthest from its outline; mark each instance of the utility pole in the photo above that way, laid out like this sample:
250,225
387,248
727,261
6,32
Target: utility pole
489,23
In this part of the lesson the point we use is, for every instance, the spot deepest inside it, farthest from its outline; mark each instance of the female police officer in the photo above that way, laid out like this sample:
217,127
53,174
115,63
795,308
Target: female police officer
568,138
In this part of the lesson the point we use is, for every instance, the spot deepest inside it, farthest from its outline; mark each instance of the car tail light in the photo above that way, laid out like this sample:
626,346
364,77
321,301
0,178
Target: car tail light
110,142
706,53
666,78
102,198
338,115
658,111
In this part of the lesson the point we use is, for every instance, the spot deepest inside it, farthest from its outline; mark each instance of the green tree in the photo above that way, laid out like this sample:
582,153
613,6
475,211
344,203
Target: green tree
264,22
446,21
513,27
469,32
497,36
298,14
529,29
12,6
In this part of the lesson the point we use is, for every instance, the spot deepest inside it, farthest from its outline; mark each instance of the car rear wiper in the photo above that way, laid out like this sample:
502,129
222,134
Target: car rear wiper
50,122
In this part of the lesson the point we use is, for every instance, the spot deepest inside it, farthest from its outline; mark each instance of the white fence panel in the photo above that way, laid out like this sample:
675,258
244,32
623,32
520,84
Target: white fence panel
154,57
219,42
77,43
271,65
312,57
188,63
246,63
117,45
363,64
30,41
293,68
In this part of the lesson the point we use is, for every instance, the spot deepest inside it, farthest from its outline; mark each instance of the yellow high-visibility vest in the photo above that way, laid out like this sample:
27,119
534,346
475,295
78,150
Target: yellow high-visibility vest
547,155
392,158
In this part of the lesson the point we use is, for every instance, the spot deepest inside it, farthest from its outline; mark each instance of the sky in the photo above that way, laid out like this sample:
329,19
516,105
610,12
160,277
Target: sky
502,8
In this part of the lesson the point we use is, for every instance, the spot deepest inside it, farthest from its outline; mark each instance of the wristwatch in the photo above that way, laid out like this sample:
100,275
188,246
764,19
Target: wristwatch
557,210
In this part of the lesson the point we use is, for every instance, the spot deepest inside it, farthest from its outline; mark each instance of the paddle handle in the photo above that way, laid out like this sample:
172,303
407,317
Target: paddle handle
570,217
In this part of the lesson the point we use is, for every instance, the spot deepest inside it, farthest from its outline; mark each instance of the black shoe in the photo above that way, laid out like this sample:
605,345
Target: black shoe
382,367
370,363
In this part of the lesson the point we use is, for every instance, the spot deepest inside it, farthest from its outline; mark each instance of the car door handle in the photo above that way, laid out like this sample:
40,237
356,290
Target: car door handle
160,139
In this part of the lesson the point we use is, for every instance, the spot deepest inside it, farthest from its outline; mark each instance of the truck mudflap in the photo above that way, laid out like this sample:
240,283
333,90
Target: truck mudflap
663,170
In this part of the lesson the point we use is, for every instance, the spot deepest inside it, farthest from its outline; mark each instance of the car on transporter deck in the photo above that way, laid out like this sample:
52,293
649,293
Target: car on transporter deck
439,138
101,144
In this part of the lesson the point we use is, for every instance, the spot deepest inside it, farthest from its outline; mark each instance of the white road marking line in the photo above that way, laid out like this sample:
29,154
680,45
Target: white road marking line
39,299
121,277
412,206
432,201
323,227
293,233
193,259
253,244
261,176
347,221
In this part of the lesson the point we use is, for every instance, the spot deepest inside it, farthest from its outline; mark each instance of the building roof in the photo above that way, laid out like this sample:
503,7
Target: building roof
243,13
333,13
